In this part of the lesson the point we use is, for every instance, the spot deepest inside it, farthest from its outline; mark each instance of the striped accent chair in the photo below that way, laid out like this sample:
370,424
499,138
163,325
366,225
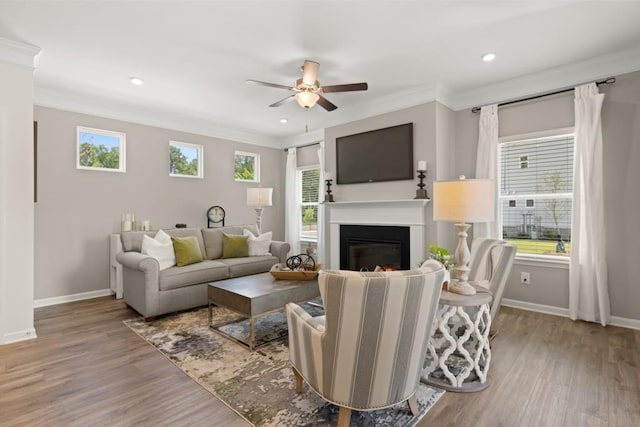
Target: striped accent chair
367,352
490,265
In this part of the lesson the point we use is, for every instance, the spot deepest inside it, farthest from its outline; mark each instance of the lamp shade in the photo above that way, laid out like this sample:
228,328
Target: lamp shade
259,197
465,200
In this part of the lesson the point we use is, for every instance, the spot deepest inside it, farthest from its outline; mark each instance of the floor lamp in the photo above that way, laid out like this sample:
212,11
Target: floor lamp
463,201
258,198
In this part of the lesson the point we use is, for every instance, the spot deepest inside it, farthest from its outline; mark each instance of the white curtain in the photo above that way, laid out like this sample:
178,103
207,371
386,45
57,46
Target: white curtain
320,255
486,164
588,289
292,212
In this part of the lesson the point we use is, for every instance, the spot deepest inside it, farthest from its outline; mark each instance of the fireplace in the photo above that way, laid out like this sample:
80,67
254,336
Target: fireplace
363,247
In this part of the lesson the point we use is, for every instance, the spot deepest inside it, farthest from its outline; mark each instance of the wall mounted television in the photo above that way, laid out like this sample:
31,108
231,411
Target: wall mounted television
376,156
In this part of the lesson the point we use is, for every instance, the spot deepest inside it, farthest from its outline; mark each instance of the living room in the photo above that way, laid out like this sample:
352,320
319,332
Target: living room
67,230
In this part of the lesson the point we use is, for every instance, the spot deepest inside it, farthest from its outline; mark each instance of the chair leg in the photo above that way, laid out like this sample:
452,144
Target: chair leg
298,380
413,405
344,417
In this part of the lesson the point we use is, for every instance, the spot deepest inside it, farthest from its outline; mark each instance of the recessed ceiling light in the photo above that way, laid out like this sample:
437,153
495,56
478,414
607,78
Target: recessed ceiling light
488,57
136,81
284,121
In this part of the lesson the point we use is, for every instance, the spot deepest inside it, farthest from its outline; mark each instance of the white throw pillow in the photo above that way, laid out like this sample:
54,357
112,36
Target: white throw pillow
160,248
258,246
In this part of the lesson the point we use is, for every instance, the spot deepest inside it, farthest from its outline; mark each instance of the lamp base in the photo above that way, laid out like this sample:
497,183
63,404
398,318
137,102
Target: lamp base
462,288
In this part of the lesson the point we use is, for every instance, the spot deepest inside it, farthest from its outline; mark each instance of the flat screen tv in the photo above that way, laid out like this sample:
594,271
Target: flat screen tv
375,156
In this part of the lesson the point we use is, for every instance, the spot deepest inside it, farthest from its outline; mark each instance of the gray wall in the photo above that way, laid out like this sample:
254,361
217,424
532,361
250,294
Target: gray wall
78,209
621,136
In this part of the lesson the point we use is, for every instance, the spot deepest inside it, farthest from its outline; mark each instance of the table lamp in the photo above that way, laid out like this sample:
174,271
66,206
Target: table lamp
463,201
259,198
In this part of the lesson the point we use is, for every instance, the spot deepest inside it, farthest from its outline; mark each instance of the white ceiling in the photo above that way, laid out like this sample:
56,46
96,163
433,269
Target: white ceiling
195,56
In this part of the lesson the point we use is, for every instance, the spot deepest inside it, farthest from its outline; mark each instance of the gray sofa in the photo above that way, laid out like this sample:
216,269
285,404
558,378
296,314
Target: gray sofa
152,292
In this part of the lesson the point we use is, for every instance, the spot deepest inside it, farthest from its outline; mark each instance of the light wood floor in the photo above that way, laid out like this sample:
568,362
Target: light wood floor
87,369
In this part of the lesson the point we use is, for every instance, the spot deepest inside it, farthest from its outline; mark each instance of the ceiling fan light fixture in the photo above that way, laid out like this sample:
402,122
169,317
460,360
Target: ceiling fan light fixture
307,99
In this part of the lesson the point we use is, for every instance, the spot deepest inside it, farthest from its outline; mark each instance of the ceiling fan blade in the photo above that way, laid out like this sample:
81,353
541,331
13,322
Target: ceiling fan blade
256,82
283,101
326,104
310,72
345,88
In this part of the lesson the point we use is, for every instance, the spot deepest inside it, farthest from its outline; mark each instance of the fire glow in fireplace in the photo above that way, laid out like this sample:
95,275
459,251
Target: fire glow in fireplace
363,247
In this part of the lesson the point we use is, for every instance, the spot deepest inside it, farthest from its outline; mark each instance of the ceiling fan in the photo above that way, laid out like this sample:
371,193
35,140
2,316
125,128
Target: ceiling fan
308,89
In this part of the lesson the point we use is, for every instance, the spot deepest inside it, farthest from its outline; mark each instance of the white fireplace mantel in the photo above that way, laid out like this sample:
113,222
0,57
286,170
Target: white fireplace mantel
409,213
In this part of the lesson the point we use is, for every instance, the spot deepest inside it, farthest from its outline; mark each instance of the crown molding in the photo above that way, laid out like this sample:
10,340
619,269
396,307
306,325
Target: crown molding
570,75
85,104
19,53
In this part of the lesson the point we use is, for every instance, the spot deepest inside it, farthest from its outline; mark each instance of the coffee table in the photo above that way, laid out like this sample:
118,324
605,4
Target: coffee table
256,295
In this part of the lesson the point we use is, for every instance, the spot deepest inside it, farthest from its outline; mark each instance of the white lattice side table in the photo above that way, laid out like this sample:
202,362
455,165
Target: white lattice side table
458,354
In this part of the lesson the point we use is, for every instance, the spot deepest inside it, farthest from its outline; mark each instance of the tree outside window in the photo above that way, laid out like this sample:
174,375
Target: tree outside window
246,167
99,149
185,160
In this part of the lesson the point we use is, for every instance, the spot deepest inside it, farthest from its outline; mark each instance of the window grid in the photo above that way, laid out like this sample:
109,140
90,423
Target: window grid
535,184
309,179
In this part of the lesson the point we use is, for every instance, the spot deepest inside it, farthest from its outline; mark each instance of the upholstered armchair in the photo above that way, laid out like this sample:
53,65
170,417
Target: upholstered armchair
367,352
490,265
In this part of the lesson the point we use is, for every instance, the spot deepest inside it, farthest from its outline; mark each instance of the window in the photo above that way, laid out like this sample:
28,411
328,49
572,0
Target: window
98,149
185,160
247,167
536,200
309,187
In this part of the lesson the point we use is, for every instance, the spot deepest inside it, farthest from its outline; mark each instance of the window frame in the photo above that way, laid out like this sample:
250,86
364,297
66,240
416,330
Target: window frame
256,166
200,156
122,151
526,258
301,204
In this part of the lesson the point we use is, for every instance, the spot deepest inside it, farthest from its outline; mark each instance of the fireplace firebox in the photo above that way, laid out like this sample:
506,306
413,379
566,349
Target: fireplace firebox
363,247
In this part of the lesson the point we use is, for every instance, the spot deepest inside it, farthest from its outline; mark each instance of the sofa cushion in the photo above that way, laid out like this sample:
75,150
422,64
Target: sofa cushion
187,250
258,246
213,238
185,232
202,272
234,246
249,265
132,240
160,248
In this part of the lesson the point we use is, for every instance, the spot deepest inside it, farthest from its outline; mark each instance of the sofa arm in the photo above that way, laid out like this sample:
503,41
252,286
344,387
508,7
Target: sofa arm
138,261
280,250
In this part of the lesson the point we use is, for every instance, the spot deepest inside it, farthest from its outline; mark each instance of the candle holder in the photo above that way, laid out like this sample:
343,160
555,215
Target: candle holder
421,193
328,197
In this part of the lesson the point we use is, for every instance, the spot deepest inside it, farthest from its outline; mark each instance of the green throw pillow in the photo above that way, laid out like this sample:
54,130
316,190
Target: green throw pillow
234,246
187,250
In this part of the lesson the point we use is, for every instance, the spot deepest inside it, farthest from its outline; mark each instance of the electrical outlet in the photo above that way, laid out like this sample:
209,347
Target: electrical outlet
525,278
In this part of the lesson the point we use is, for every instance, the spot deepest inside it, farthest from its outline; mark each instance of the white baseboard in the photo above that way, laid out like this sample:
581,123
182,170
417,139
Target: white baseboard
27,334
564,312
44,302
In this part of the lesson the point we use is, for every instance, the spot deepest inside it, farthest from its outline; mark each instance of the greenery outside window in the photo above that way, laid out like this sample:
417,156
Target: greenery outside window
185,160
247,167
98,149
535,202
309,186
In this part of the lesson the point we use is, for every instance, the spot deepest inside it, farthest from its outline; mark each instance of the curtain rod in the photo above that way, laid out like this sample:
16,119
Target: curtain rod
606,81
303,146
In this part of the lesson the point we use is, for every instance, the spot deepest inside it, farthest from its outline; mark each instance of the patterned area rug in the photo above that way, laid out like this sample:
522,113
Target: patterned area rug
258,385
